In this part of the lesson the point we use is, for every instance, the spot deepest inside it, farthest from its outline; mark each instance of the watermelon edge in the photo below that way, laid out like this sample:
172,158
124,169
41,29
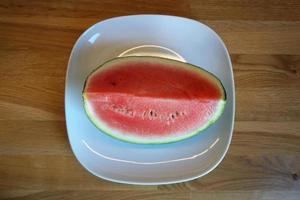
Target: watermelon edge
212,121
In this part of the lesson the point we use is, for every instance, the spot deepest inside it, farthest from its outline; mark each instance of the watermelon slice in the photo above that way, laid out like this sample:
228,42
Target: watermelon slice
152,100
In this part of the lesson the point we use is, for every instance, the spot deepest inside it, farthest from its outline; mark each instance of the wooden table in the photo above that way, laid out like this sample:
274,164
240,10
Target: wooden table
263,38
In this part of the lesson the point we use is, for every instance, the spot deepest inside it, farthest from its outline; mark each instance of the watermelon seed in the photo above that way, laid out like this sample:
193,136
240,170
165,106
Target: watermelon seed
151,113
130,113
122,110
172,116
144,114
161,117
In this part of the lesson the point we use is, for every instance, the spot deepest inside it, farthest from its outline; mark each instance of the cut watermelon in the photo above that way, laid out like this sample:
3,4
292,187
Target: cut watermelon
152,100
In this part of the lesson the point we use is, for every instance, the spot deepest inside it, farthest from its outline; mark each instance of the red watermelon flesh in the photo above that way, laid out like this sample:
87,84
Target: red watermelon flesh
152,100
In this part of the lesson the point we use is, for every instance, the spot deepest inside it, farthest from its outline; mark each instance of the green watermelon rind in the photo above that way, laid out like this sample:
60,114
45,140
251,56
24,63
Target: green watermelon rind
134,140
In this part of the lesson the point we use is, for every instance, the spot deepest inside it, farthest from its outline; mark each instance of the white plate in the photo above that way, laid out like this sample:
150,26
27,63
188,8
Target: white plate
122,162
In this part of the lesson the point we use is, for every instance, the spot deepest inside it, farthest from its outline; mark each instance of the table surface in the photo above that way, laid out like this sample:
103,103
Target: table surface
263,38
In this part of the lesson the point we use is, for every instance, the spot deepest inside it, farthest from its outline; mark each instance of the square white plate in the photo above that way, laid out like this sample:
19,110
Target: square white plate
122,162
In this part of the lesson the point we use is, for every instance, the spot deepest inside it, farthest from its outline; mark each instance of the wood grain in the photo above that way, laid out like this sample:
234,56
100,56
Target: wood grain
250,37
263,38
126,195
